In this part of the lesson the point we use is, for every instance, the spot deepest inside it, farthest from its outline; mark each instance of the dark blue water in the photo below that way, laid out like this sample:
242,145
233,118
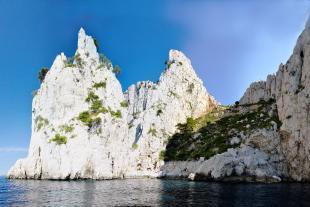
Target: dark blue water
150,192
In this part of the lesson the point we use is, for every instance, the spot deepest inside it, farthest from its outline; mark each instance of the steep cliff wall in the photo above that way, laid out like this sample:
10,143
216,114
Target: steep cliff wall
290,87
84,126
265,137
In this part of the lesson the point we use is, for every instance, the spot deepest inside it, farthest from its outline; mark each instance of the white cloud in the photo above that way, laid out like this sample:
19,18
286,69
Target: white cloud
13,149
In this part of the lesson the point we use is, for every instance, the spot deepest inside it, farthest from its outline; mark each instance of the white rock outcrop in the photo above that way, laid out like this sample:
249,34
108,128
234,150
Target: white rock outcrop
290,87
125,134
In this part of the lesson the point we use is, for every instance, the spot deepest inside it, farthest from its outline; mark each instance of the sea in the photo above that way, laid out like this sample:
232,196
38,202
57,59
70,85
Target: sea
150,192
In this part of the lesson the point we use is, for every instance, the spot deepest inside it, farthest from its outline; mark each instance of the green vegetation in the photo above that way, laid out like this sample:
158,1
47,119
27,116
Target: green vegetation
96,43
91,97
124,104
69,62
88,119
101,84
96,104
152,131
117,114
40,122
104,61
190,88
169,63
85,117
96,121
300,88
96,107
162,155
66,128
116,69
210,134
134,146
59,139
159,112
42,74
78,60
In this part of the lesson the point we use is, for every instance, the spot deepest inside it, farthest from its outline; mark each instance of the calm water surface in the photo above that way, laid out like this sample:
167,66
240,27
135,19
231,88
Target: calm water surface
150,192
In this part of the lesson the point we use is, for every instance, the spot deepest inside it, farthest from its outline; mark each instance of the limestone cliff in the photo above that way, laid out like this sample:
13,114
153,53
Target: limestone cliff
84,126
290,87
265,137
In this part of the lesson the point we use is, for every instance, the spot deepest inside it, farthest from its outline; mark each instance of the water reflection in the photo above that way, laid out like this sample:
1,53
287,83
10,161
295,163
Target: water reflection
150,192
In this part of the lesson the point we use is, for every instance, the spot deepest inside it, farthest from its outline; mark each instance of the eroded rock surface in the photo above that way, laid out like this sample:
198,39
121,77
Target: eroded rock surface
84,126
290,87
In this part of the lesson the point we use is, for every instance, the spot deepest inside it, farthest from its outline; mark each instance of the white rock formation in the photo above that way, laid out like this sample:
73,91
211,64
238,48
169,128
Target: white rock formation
290,87
131,127
134,126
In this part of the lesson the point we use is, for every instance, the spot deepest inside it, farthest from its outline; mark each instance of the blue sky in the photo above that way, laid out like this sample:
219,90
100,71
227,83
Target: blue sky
230,43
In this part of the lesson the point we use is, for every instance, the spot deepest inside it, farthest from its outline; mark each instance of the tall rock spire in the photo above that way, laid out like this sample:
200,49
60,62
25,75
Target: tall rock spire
84,126
86,46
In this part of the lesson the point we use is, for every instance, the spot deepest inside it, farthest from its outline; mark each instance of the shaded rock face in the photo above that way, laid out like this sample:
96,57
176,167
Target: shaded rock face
84,126
290,87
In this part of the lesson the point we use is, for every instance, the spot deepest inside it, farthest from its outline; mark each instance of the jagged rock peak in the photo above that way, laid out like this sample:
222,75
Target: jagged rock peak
86,46
178,65
178,56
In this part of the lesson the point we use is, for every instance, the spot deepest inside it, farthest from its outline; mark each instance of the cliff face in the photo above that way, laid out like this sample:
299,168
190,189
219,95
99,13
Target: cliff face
264,138
290,87
84,126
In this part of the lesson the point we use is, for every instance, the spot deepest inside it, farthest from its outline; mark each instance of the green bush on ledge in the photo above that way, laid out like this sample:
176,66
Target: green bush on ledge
101,84
42,74
59,139
117,114
134,146
124,104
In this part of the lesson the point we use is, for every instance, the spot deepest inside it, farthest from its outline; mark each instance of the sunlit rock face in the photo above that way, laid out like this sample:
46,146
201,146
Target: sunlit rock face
290,87
84,126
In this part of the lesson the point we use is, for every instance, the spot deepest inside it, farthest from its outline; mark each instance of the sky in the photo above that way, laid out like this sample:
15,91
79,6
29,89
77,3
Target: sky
230,43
